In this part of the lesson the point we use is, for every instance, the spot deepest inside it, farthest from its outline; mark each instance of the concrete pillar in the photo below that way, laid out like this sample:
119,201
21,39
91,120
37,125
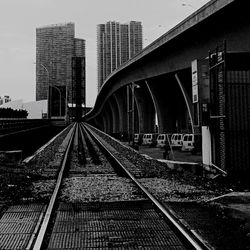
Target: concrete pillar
118,111
120,97
108,118
98,123
136,116
104,122
187,100
169,103
144,108
115,114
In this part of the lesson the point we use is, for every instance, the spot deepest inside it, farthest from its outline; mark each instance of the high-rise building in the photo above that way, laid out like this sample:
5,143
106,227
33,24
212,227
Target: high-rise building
116,44
56,45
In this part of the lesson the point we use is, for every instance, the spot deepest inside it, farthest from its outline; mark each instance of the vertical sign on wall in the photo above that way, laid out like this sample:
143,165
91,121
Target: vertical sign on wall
195,94
194,81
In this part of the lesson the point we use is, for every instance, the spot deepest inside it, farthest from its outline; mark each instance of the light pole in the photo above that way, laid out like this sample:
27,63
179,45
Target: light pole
48,96
128,111
48,110
131,85
133,112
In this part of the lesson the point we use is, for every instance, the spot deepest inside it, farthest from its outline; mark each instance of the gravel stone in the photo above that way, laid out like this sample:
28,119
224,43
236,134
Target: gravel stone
98,188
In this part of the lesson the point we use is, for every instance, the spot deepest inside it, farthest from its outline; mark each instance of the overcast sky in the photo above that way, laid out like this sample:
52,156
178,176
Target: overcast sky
20,18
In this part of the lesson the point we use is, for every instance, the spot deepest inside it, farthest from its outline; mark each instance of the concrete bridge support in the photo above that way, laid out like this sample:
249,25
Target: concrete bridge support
120,98
98,122
107,119
114,114
184,80
119,113
145,110
170,104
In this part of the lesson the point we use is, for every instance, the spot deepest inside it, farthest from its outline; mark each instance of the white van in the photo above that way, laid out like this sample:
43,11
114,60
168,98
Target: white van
162,139
176,140
149,139
138,138
188,142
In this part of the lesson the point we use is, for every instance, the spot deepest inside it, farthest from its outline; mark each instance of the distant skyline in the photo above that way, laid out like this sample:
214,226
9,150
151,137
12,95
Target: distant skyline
20,18
116,44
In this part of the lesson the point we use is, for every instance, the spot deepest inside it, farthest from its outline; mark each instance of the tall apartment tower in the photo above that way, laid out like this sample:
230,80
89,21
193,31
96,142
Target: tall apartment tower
56,45
116,44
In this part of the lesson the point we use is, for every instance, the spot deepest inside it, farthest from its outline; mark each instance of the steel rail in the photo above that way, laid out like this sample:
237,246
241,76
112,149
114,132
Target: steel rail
93,153
31,241
189,235
41,234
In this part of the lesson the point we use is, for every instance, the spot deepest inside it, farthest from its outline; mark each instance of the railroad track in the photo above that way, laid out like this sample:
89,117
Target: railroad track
97,203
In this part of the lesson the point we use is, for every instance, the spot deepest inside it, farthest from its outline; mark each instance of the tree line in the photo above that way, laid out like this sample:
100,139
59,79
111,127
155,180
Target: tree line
13,113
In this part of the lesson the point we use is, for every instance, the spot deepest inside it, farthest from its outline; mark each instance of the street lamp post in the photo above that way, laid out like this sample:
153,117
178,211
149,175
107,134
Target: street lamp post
48,95
131,130
133,112
128,111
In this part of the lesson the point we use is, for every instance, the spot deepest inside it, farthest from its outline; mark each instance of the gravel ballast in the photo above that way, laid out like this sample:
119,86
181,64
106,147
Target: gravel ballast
99,188
164,183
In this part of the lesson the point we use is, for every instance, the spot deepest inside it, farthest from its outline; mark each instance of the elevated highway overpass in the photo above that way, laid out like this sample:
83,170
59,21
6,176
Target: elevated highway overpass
153,92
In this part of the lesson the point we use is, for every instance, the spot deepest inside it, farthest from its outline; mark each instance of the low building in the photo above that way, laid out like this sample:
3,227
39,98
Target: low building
36,109
4,99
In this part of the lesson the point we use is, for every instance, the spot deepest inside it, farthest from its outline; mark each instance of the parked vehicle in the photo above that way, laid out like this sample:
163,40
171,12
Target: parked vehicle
162,139
149,139
191,142
188,142
176,140
138,138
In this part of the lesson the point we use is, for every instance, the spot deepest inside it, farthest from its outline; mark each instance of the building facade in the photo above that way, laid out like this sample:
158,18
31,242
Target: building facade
80,77
4,99
116,44
56,45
